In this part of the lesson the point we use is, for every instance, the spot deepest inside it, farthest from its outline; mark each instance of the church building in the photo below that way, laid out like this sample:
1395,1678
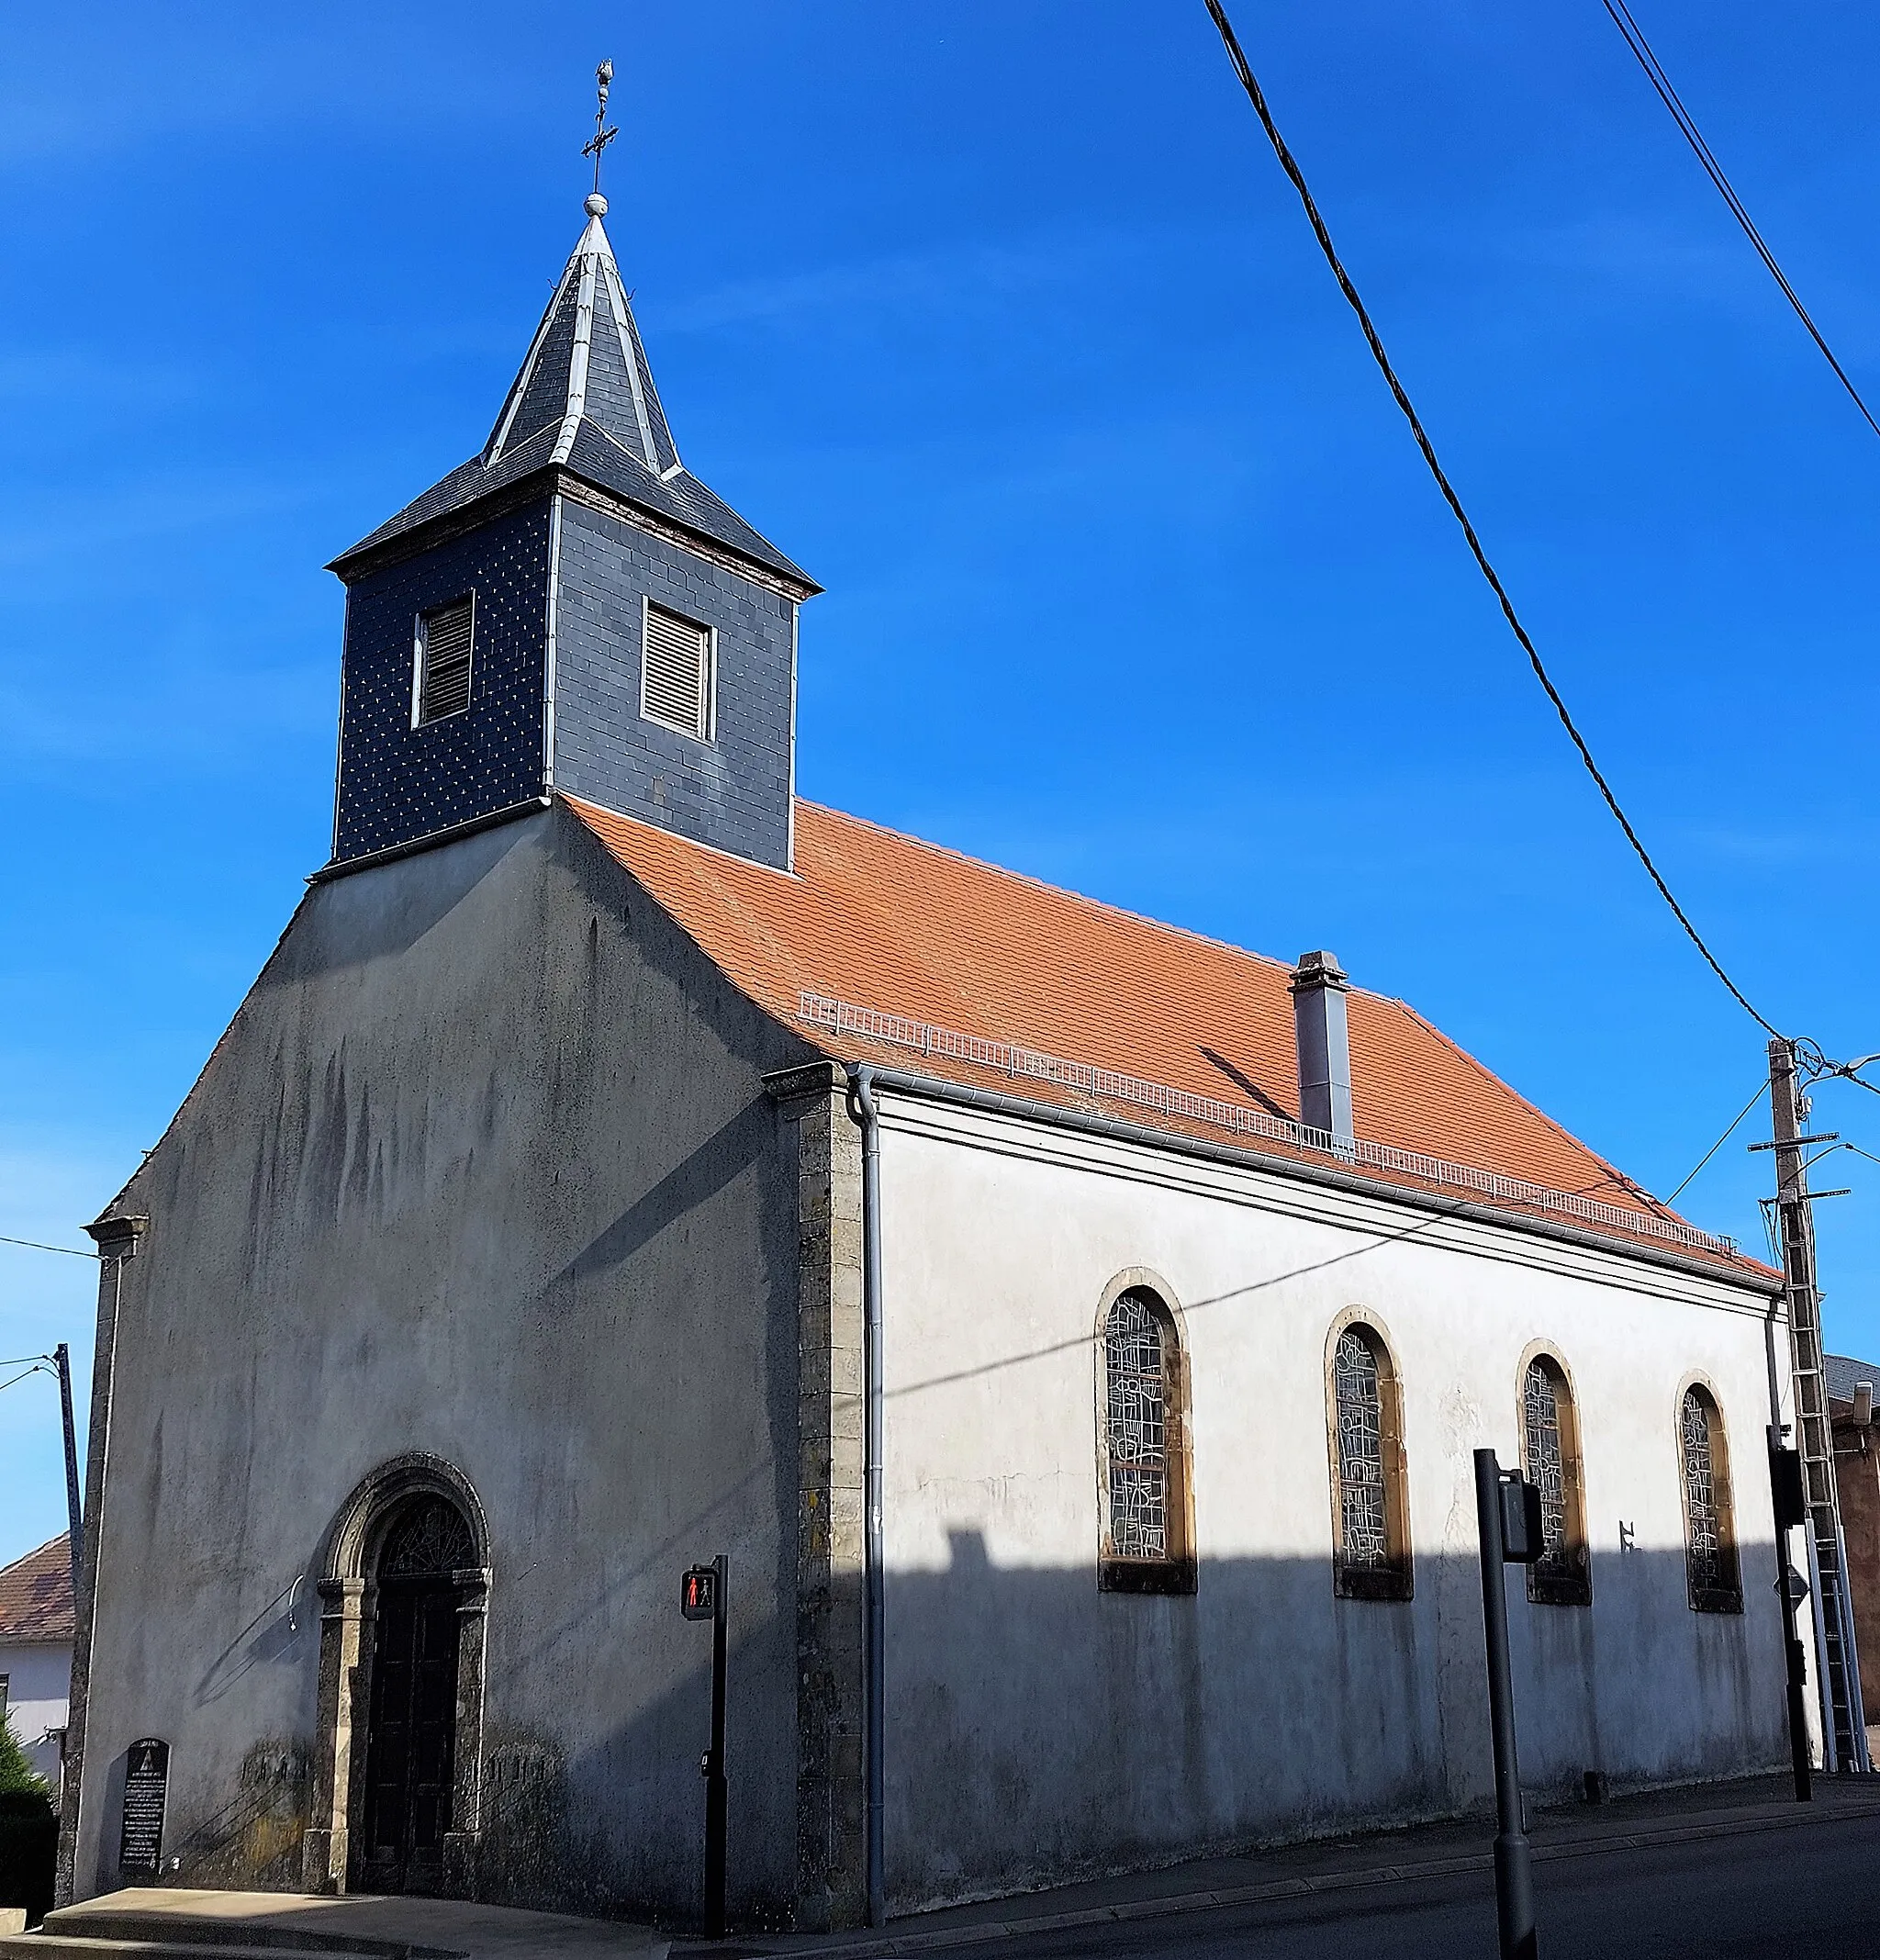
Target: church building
1072,1331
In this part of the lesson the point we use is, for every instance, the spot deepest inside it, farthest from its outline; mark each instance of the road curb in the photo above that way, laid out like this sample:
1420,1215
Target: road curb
1171,1905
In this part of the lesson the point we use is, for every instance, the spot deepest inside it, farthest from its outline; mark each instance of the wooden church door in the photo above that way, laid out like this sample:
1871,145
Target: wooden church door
411,1749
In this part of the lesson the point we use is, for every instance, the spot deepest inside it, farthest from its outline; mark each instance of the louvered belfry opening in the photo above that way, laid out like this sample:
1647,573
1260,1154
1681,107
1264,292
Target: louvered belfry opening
444,637
675,674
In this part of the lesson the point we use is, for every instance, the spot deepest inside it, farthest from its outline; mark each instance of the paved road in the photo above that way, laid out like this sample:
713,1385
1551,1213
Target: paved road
1800,1894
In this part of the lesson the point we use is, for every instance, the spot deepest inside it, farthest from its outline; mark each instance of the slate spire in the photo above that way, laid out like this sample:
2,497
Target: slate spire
587,362
584,402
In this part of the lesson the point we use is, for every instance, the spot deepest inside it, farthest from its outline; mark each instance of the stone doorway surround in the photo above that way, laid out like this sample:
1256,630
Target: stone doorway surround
347,1609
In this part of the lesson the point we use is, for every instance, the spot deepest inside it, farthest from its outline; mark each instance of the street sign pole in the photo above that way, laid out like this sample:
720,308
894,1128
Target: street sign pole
1789,1493
704,1596
1513,1871
715,1787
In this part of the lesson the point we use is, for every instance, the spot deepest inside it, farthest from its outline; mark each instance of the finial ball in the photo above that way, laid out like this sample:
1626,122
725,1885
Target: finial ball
596,206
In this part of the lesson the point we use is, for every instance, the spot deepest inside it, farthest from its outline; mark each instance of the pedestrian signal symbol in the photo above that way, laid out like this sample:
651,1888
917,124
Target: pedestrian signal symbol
699,1592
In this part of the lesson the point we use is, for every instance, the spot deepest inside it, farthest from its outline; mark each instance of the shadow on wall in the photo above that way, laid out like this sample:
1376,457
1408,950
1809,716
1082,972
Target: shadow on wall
1040,1731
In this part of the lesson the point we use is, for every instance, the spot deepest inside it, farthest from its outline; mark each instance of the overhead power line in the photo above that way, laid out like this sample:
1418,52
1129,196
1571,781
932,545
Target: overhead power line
33,1245
1654,72
1247,81
1762,1090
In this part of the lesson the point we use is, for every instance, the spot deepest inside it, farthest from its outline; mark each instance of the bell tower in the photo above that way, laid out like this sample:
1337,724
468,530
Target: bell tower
570,611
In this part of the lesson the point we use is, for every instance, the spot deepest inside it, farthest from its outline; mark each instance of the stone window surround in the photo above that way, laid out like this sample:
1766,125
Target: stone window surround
1177,1573
1543,1588
1394,1581
348,1598
1728,1598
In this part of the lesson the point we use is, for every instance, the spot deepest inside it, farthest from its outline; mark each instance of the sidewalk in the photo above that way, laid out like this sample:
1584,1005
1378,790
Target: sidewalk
1327,1864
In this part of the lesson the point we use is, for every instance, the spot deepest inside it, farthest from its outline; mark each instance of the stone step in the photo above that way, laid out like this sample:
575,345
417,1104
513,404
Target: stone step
130,1931
166,1922
48,1943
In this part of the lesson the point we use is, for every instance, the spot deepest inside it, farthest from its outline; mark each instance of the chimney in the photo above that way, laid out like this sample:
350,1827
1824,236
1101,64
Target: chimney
1318,989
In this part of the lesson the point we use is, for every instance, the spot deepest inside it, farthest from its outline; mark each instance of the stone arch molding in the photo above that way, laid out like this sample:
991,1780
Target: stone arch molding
1394,1579
354,1542
347,1609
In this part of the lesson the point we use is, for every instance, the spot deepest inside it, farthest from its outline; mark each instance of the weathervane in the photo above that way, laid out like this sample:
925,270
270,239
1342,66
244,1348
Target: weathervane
602,137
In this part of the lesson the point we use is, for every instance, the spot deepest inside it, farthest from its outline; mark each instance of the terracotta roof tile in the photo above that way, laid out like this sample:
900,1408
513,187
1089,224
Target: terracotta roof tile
886,922
36,1594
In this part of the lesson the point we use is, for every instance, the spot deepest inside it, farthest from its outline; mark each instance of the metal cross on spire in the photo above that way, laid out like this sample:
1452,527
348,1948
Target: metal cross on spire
597,144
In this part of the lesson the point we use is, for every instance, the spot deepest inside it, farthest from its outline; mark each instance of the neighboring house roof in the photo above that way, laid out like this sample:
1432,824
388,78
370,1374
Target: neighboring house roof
584,402
951,947
1841,1372
36,1594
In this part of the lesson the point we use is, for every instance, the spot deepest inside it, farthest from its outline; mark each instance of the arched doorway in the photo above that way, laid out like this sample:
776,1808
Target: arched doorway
398,1748
411,1728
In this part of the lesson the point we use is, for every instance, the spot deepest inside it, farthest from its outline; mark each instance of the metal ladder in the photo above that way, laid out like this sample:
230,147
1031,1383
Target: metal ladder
1844,1727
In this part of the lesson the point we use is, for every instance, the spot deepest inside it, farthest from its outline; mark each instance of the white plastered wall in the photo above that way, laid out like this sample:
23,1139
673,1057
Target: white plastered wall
38,1680
1038,1728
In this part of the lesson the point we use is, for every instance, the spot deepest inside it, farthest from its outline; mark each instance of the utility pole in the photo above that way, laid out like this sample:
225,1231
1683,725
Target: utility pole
1843,1720
62,1356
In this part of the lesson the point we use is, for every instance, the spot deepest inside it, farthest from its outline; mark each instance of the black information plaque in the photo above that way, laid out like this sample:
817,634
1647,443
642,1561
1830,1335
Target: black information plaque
146,1789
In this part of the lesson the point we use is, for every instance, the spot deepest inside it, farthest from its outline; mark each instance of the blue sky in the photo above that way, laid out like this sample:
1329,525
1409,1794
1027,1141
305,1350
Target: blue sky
997,315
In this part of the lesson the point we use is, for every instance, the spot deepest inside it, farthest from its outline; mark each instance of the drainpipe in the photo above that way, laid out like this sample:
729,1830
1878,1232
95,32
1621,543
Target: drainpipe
862,1112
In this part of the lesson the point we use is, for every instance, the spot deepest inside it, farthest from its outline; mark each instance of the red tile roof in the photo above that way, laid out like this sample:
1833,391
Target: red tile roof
36,1594
888,923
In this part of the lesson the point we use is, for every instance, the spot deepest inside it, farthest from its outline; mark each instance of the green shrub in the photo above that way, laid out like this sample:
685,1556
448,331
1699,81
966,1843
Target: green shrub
29,1832
16,1770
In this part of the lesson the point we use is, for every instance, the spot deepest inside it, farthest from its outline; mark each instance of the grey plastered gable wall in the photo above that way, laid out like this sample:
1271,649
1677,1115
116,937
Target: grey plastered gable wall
734,791
485,1167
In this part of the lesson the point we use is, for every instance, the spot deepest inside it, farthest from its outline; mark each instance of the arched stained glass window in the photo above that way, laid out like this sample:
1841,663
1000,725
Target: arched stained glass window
1551,1462
1144,1427
1710,1552
1138,1433
1364,1536
1371,1522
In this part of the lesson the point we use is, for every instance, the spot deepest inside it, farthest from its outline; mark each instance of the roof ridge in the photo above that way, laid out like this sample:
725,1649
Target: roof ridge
26,1558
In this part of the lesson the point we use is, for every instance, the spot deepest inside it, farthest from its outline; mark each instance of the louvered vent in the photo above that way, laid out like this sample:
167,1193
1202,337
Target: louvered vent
676,675
444,660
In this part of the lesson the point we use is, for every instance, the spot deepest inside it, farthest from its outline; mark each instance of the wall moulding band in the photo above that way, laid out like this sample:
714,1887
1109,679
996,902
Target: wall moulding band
842,1017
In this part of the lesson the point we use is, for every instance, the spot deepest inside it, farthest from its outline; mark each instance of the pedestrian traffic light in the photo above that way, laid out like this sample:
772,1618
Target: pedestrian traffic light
699,1592
1524,1533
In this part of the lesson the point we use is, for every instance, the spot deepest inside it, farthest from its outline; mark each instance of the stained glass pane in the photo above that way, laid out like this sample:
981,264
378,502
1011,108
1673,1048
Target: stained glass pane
1546,1470
1708,1563
1136,1416
1364,1537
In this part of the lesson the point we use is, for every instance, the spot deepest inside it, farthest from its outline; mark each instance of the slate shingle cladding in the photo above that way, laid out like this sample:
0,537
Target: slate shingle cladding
398,783
734,792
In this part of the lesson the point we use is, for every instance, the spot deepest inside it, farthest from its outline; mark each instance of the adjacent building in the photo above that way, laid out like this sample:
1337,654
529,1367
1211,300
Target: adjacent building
36,1626
1851,1388
617,1149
